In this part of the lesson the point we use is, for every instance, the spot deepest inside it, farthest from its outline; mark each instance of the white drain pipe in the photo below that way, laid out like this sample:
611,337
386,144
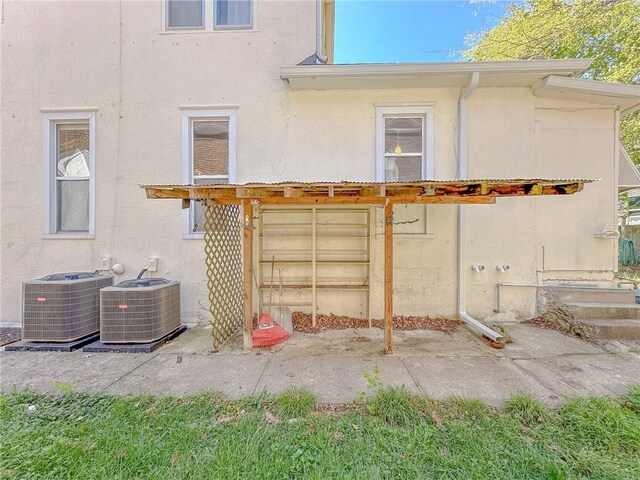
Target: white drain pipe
462,215
322,58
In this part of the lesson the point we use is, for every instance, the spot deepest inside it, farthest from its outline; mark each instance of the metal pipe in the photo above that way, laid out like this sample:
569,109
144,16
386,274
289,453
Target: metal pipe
462,215
322,58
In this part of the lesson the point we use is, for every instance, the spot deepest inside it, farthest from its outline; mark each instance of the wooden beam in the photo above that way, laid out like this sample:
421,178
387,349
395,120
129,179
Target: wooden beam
361,200
247,274
388,277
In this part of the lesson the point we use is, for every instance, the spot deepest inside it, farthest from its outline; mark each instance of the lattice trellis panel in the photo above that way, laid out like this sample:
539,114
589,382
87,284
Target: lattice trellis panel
223,250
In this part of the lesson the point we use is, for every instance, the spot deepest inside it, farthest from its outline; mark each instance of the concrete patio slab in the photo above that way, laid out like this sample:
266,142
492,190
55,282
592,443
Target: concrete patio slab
544,363
534,342
491,379
579,375
83,372
177,375
333,379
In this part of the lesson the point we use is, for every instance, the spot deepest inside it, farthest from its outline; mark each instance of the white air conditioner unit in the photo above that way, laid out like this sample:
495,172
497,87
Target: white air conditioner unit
62,307
139,311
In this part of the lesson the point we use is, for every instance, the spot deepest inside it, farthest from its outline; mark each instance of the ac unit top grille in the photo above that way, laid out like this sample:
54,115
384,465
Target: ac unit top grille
142,282
58,277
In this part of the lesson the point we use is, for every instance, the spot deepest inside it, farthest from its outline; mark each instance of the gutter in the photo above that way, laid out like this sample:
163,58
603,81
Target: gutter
463,119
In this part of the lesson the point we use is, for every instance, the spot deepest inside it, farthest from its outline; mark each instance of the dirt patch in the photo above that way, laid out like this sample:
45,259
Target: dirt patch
541,322
10,335
302,323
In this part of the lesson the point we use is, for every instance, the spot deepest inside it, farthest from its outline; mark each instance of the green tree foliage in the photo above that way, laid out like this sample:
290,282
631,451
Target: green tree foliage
608,31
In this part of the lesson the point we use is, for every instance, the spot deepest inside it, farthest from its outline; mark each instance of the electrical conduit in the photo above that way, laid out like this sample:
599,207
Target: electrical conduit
462,215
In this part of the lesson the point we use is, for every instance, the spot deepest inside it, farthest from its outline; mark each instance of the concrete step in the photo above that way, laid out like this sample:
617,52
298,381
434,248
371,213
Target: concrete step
614,329
594,295
604,311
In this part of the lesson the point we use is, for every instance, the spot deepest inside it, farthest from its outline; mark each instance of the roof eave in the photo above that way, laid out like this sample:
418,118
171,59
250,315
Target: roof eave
626,97
568,67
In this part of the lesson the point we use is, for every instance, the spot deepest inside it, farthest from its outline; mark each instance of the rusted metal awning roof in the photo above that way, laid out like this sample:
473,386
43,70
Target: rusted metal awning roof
430,191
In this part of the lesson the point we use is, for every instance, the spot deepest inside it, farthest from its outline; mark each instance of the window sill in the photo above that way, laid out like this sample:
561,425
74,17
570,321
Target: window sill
69,236
193,236
201,31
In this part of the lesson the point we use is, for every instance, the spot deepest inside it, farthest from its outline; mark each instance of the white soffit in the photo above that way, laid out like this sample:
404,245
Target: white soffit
627,97
520,73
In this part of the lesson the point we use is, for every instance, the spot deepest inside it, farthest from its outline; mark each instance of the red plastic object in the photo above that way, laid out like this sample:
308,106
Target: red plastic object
268,333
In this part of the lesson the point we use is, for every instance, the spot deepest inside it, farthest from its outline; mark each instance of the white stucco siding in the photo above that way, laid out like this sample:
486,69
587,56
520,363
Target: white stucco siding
577,143
76,56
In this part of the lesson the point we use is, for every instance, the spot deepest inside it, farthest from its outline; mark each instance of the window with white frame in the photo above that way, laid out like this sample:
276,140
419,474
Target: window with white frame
195,14
69,157
404,153
209,156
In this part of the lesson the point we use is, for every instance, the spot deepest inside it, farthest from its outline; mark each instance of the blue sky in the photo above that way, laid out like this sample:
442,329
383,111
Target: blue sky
388,31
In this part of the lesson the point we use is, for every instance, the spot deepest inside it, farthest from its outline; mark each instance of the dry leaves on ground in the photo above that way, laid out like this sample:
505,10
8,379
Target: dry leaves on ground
302,323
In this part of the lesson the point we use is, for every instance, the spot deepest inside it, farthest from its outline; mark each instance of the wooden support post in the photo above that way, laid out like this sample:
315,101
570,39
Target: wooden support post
247,271
388,276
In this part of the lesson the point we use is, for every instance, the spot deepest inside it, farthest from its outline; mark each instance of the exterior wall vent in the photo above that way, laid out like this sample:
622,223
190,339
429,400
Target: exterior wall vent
62,307
139,311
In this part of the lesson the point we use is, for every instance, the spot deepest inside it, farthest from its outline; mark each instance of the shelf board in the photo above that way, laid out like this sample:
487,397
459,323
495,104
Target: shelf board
288,304
318,262
319,287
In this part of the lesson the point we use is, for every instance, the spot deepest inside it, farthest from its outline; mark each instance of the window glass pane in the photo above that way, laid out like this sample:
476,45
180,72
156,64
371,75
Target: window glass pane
73,205
72,150
197,221
403,169
211,147
403,135
185,13
232,13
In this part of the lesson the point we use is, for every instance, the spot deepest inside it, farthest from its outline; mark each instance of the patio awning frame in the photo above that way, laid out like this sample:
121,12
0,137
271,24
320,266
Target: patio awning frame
355,193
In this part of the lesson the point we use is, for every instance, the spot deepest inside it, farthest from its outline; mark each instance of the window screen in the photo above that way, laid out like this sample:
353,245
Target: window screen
233,13
185,13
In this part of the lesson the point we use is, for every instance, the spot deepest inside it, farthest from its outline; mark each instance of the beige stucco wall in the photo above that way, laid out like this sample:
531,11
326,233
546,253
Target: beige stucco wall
76,55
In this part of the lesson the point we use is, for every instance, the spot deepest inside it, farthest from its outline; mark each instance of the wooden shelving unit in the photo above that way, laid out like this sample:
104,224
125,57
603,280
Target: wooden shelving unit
317,249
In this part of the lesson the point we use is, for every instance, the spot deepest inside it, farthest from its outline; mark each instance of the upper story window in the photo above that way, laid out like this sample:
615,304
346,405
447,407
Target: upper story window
69,157
404,153
209,14
209,156
233,14
185,13
404,143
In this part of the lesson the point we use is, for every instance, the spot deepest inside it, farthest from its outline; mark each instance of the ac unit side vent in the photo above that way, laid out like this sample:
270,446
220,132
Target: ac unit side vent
62,307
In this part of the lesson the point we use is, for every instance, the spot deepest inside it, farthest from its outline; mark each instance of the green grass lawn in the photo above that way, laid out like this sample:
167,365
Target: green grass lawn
391,434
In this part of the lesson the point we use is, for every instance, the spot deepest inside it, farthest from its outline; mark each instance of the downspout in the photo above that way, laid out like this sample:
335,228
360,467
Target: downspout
320,56
462,215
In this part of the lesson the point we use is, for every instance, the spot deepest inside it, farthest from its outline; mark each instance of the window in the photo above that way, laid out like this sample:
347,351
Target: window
233,14
209,157
404,143
404,153
185,14
208,14
69,156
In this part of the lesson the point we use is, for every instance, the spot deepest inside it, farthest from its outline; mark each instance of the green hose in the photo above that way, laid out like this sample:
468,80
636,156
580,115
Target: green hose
627,254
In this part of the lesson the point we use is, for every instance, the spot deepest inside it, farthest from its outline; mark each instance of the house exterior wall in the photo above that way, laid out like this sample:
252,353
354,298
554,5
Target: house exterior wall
142,77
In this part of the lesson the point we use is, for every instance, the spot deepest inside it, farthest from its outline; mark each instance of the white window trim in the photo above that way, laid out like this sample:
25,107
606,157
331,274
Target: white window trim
188,116
209,21
49,120
424,110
